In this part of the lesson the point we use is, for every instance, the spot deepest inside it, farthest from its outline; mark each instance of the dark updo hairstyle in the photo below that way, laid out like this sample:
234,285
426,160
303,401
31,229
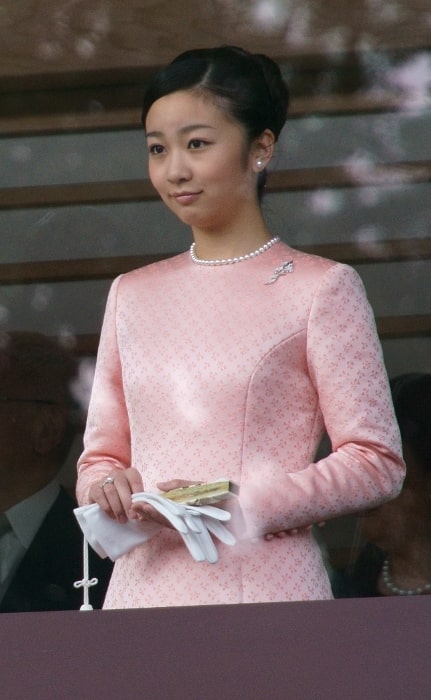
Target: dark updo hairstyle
411,395
248,86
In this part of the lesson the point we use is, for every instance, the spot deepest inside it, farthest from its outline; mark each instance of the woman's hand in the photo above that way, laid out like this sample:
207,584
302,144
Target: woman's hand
114,493
288,533
176,484
145,512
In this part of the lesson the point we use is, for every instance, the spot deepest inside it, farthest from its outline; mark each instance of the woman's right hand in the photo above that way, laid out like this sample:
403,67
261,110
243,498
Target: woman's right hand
114,492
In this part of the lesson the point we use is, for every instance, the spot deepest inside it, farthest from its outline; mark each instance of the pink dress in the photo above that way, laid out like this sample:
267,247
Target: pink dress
206,372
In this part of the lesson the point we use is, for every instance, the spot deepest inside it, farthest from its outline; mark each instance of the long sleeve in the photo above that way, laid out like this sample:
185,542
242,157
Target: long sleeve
345,366
107,433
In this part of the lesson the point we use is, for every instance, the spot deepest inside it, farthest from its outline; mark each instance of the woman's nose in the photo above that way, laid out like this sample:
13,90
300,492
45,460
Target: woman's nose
178,168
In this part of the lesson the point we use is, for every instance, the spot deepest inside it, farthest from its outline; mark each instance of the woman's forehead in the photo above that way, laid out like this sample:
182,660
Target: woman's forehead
179,110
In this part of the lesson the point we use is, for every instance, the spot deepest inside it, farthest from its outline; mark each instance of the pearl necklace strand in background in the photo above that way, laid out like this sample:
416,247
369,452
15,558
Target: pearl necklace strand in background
231,261
400,591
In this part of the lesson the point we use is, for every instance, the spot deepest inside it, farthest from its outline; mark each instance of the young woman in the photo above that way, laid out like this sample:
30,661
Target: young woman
228,360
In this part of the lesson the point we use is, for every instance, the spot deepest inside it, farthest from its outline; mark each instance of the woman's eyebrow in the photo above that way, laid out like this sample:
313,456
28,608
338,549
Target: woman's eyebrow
181,130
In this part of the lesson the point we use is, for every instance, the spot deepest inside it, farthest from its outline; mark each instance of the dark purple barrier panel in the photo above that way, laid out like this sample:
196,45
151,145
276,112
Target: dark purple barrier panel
339,650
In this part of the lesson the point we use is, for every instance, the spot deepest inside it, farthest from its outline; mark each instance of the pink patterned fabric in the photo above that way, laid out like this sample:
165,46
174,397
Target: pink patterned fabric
208,372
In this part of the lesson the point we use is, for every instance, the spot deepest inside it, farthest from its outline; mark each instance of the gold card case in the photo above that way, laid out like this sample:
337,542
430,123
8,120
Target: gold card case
203,494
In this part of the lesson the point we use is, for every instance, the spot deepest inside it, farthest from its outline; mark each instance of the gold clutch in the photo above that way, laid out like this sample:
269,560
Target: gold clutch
202,494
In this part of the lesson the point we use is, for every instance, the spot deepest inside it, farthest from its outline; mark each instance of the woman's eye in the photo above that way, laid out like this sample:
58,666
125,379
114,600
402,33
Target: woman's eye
197,143
155,149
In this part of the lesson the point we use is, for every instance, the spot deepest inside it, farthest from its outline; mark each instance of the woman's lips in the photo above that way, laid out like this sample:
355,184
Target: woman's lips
186,197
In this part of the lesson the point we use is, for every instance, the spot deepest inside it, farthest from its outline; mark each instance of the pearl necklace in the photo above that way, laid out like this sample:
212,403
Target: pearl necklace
400,591
231,261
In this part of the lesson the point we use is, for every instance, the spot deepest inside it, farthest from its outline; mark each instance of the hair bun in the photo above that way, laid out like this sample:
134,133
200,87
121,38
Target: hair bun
277,87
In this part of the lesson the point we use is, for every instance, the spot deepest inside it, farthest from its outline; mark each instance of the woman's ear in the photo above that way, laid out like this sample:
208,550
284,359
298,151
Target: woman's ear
262,151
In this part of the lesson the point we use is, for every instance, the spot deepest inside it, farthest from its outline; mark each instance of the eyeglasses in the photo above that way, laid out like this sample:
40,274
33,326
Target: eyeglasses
19,400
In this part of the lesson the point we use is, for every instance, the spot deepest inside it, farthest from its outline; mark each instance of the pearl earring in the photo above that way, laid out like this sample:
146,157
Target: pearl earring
259,163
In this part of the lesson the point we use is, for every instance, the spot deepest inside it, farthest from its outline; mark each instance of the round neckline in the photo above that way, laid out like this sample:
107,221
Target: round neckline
222,262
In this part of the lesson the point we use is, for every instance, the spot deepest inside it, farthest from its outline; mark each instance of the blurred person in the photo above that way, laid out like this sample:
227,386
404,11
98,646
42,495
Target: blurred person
396,559
40,541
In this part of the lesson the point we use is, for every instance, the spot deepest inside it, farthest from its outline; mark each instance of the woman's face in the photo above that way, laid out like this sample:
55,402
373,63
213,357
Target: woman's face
199,161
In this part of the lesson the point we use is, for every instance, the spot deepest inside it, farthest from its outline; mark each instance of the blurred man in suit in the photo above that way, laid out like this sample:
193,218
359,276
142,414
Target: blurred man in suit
40,541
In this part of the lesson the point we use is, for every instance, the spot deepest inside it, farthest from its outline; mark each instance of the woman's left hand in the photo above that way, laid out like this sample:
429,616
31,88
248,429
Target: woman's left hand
144,512
288,533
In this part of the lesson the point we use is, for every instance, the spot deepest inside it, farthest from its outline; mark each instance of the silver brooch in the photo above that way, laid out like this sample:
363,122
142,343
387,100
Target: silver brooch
284,269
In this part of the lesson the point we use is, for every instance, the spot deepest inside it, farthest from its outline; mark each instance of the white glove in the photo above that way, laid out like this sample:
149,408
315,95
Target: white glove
207,519
197,522
175,513
108,537
194,523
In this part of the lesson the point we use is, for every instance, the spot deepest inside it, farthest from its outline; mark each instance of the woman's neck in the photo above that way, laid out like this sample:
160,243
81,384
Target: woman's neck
231,242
